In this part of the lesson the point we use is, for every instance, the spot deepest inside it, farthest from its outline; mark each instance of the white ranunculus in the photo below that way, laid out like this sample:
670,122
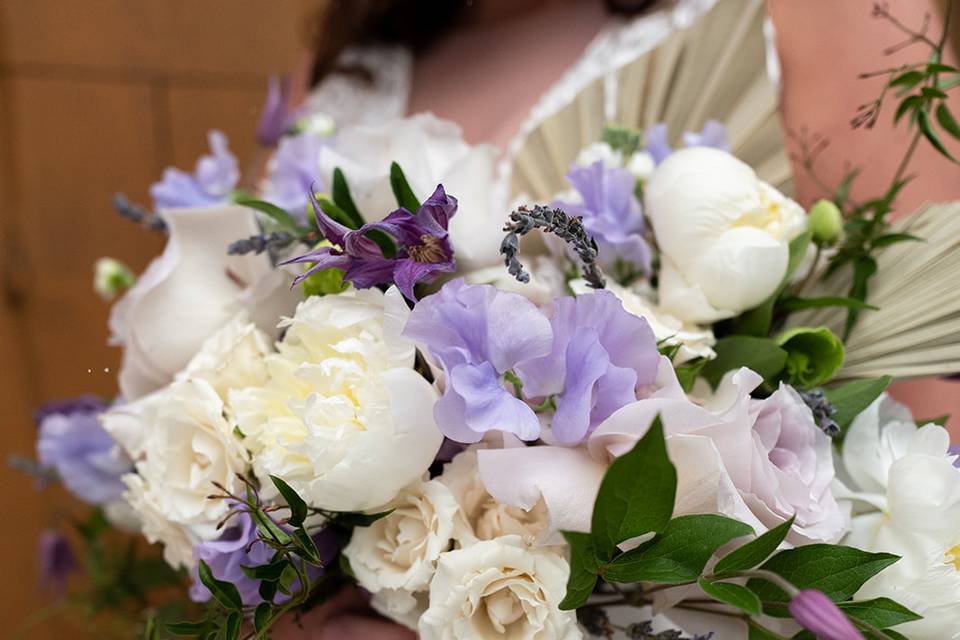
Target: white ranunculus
695,342
499,588
430,151
183,443
906,491
484,517
724,234
189,292
396,556
343,417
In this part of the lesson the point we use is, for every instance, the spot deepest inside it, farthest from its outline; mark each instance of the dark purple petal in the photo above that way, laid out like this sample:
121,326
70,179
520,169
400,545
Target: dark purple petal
818,614
321,258
439,207
81,404
57,561
331,230
407,273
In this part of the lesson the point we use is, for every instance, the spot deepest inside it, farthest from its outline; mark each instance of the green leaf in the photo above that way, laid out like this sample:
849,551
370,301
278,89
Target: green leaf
926,128
270,571
268,528
814,355
679,554
298,508
852,398
763,355
307,548
687,373
231,631
341,196
948,83
622,138
225,593
909,104
893,238
324,282
733,594
636,495
947,121
186,628
583,570
879,612
267,590
843,189
754,552
359,519
261,616
405,196
287,578
933,93
939,420
797,303
908,79
863,269
756,632
939,67
275,213
835,570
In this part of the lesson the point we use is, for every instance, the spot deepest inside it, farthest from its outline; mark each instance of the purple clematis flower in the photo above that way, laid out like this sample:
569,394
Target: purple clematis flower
57,561
611,214
423,246
601,355
227,556
276,117
478,334
713,134
85,457
213,181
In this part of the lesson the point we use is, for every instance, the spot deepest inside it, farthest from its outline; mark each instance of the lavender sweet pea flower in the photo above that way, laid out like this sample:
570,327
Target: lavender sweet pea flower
423,246
713,134
955,451
600,356
213,181
611,213
292,171
275,118
478,334
817,613
227,556
85,457
57,561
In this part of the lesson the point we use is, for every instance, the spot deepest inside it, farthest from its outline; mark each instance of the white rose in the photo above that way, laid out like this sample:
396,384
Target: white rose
397,555
906,490
499,588
485,517
694,341
724,234
185,444
189,292
431,152
343,417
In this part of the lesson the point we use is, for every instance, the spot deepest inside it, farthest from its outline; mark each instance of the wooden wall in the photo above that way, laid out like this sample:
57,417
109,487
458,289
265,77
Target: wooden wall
98,96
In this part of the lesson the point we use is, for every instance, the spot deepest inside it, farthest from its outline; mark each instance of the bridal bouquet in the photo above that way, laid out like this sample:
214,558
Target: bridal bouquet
595,416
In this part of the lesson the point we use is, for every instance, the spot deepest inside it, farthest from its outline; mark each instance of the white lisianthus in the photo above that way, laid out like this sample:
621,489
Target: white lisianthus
906,489
499,588
343,418
724,234
484,517
430,151
183,443
189,292
694,341
396,556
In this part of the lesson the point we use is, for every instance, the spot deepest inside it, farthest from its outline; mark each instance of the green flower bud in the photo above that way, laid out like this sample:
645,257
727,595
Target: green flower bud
814,354
825,222
111,277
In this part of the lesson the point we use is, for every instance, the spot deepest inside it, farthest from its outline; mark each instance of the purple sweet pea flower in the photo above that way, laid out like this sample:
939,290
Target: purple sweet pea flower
818,614
294,171
275,118
85,457
713,134
227,556
600,355
213,180
423,246
611,213
954,450
478,334
57,561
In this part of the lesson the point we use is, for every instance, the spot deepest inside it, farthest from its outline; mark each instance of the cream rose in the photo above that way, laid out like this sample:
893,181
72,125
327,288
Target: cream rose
189,292
499,588
396,556
724,234
343,417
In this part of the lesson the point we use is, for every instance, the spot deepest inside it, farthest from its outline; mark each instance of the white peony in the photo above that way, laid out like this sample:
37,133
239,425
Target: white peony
499,588
906,490
189,292
484,517
183,443
396,556
343,417
724,234
430,151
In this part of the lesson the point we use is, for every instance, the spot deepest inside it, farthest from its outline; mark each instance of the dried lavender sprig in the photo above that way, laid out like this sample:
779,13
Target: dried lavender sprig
823,411
272,242
568,228
138,213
